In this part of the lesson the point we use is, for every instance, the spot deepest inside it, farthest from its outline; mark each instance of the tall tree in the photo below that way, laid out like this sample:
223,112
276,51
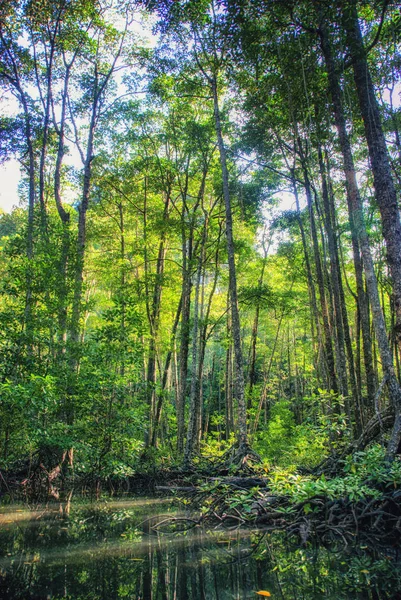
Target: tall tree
385,192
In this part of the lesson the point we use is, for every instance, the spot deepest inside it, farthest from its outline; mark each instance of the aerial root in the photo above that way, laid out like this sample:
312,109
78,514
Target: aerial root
239,458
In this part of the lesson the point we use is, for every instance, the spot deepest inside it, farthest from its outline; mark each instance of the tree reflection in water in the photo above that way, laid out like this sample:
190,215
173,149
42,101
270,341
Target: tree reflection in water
110,550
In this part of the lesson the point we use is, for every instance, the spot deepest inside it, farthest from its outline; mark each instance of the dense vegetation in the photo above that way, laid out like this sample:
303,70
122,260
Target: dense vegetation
207,254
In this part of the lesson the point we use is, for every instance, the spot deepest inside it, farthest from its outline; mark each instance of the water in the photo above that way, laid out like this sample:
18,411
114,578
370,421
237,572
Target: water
111,550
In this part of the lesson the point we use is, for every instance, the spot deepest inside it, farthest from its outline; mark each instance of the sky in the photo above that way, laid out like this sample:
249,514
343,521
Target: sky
10,172
10,176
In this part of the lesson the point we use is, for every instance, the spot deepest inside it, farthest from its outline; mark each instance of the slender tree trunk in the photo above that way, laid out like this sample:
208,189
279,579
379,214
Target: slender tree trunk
335,276
30,227
65,221
81,239
356,214
353,199
184,339
45,131
355,388
236,326
122,291
311,286
159,404
385,192
344,338
153,317
203,338
263,397
228,380
194,393
254,335
14,79
101,81
252,360
329,356
75,327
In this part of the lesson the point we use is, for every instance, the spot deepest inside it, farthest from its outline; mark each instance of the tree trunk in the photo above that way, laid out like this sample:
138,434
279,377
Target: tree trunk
28,320
184,341
353,199
65,220
356,215
335,280
356,390
311,286
343,334
195,383
228,379
385,192
153,311
203,338
254,334
329,356
159,404
236,326
81,239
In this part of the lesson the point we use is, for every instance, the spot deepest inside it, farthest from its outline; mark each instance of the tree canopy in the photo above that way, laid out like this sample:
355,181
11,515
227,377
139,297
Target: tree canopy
206,259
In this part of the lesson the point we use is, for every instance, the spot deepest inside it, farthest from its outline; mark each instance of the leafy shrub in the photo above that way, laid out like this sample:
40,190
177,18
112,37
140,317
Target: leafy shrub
284,443
365,474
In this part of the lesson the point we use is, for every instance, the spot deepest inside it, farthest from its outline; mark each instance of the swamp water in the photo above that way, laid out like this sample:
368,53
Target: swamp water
110,550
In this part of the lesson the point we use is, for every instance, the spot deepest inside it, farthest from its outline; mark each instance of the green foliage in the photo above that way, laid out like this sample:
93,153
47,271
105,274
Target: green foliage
214,446
366,475
274,441
88,310
283,442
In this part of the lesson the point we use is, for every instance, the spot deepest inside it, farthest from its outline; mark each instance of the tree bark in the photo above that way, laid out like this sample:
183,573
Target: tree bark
14,79
254,335
353,199
187,255
64,218
341,315
184,339
159,404
329,356
334,278
195,383
81,238
236,326
153,312
385,192
356,215
311,285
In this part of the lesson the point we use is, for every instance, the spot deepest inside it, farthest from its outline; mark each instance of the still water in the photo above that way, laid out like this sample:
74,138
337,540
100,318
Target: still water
110,550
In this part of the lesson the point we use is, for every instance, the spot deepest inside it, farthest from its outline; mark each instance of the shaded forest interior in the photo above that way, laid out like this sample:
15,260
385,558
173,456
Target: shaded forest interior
206,261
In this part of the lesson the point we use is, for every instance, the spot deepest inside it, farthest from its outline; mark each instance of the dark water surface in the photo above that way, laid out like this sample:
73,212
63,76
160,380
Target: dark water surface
109,549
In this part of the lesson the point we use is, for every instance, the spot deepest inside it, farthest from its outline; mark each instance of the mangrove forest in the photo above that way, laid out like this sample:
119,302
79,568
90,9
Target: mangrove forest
200,299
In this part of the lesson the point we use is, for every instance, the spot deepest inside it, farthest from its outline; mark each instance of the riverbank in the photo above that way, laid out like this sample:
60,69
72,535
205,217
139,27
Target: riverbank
363,497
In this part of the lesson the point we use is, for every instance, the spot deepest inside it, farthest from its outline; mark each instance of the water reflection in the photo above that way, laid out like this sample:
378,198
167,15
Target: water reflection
109,550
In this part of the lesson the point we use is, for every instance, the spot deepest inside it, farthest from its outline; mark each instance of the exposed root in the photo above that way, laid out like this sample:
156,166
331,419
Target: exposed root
41,477
239,459
377,518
